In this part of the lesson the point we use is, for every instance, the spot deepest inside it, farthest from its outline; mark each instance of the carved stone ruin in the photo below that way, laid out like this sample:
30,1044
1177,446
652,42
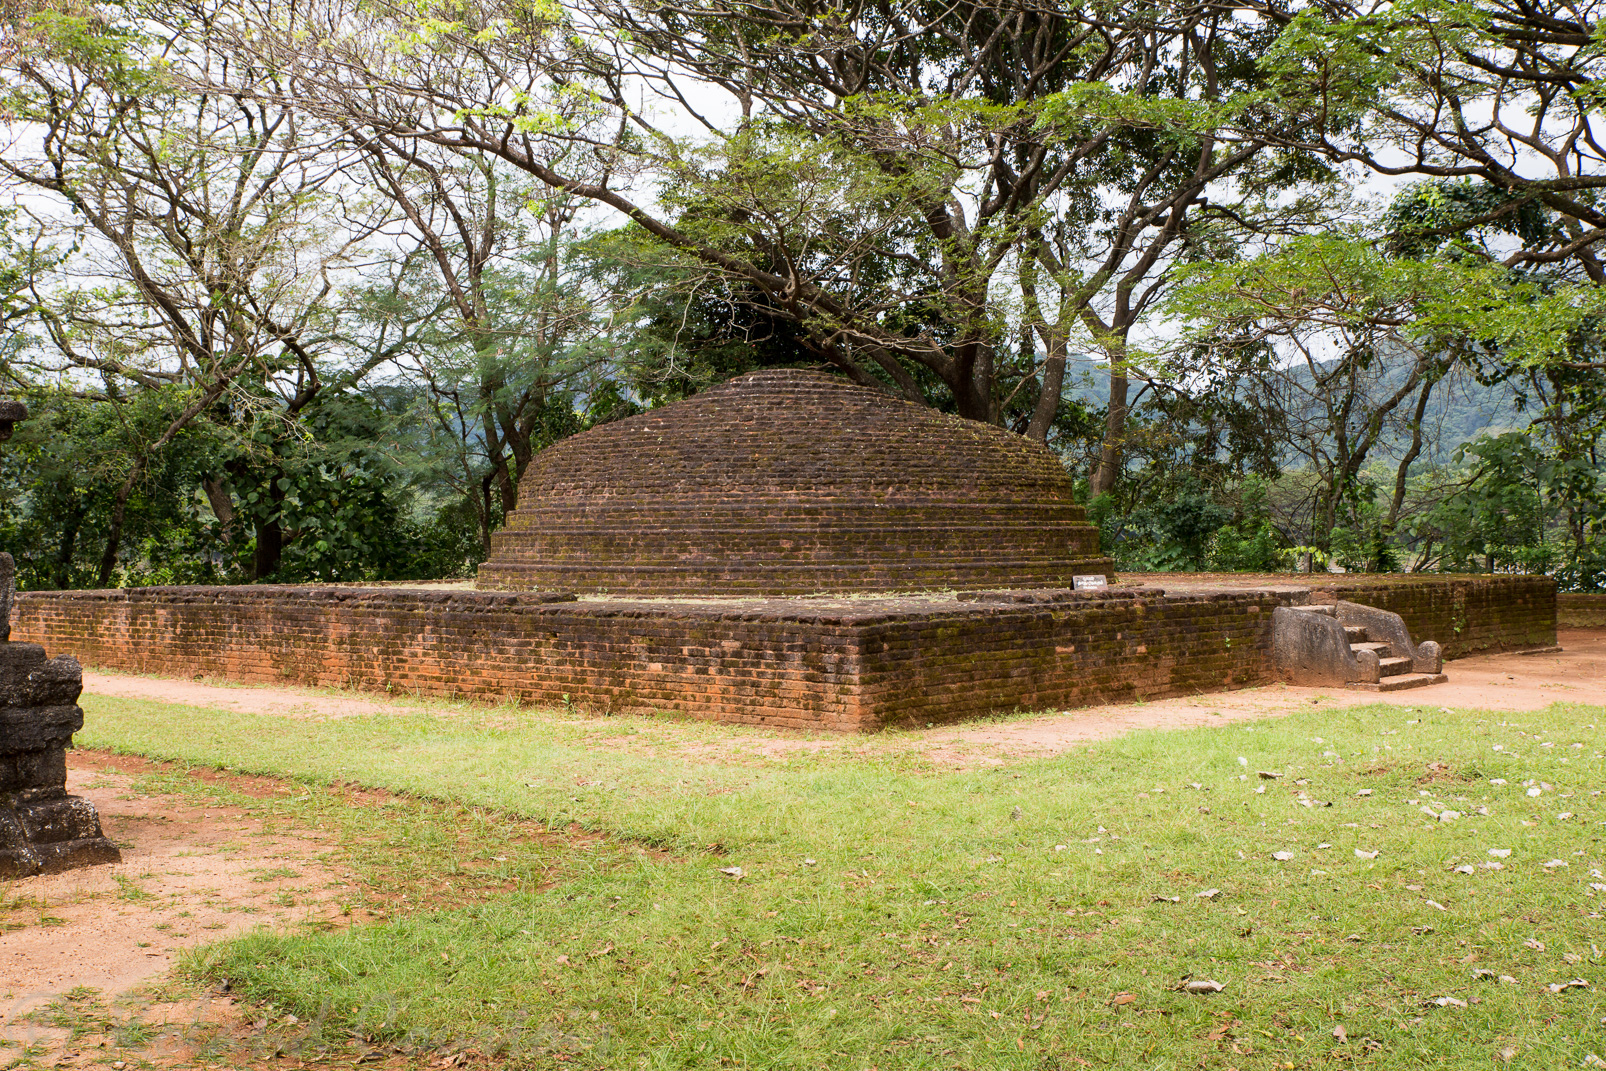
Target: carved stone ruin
42,829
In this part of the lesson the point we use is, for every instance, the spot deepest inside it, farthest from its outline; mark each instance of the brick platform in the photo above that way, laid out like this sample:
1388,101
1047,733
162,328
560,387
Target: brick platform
852,664
1581,611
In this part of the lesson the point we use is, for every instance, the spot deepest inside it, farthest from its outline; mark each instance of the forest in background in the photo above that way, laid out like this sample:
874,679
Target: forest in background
295,292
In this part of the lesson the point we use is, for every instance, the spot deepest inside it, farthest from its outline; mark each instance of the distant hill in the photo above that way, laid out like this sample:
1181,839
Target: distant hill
1460,410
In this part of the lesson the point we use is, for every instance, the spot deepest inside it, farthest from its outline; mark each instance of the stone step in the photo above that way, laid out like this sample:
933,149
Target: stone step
1356,634
1382,650
1399,682
1393,667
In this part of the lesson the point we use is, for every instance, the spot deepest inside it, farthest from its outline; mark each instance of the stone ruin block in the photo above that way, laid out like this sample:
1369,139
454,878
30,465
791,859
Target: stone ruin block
43,830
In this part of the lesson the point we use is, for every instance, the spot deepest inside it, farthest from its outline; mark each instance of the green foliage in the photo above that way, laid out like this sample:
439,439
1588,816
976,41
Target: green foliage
58,477
1513,511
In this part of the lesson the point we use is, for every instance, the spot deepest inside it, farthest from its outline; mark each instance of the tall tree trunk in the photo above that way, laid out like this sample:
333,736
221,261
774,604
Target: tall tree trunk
269,548
1048,395
114,533
217,496
1112,450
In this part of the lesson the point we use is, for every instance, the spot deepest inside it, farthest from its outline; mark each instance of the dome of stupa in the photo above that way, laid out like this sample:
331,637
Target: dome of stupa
789,482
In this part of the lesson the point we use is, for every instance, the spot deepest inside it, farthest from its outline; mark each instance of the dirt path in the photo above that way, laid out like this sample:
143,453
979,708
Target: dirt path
82,953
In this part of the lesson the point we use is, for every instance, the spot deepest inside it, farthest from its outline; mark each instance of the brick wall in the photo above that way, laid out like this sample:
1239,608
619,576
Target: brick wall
1465,614
1581,611
1066,655
844,664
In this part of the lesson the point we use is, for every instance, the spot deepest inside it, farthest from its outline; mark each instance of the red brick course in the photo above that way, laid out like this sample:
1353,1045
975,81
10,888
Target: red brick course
846,664
1580,611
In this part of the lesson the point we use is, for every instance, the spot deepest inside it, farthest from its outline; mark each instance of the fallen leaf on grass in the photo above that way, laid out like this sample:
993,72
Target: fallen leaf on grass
1208,894
1483,974
1340,1034
1537,946
1435,905
1562,987
1365,855
1168,899
1448,1002
1554,863
1282,857
1364,792
1500,853
1466,870
1123,998
1267,775
1591,1060
732,872
1202,985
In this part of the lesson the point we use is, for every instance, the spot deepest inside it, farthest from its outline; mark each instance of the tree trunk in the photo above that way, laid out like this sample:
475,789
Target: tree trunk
1048,396
1113,447
269,548
114,533
217,496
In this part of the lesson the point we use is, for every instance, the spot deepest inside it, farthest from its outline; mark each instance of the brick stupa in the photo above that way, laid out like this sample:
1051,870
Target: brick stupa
789,482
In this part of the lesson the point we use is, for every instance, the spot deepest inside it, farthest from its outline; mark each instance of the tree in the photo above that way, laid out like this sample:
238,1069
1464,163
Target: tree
1346,346
1495,97
183,243
504,331
956,191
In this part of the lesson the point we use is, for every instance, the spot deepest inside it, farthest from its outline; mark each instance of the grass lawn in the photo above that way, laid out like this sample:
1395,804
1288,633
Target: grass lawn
863,908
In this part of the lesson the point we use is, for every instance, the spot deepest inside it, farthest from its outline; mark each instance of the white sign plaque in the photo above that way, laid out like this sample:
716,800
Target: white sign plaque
1084,583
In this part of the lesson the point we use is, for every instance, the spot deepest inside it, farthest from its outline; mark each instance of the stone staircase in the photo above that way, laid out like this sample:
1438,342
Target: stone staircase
1353,645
